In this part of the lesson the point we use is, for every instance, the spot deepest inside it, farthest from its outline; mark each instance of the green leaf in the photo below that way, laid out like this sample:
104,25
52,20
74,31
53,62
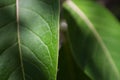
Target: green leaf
68,69
96,42
28,39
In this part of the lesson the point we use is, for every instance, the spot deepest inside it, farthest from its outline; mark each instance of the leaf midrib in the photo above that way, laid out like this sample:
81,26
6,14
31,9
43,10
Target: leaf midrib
82,15
18,36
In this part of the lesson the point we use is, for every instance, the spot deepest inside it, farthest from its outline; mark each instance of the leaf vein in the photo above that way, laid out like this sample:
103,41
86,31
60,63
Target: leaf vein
38,59
39,16
42,43
8,48
5,25
90,25
8,5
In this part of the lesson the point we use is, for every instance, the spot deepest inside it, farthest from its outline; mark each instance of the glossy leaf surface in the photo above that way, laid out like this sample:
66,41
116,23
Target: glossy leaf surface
28,39
96,42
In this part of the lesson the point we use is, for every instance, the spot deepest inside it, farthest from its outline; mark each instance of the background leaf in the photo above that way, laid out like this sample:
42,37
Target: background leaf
68,68
96,43
28,39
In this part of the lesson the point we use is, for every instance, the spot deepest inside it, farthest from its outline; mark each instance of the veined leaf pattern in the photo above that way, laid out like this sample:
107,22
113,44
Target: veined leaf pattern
28,39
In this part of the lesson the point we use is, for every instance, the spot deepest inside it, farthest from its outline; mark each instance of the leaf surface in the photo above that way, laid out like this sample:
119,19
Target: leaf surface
96,42
68,69
28,39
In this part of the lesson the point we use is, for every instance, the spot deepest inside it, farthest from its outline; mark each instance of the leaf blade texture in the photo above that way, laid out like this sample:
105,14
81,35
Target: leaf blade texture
96,49
29,39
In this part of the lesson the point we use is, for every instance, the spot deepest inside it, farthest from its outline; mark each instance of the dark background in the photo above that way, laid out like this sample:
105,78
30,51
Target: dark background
112,5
